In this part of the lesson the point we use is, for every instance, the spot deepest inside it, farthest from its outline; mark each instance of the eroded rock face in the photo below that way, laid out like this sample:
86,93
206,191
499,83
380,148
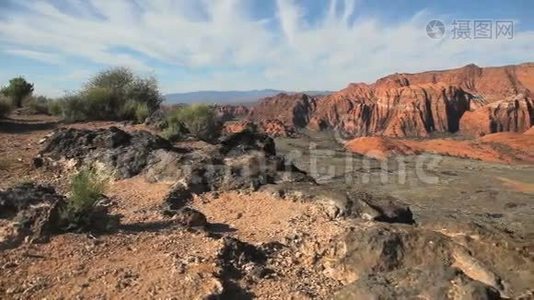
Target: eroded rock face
381,209
515,114
415,105
413,110
292,110
231,112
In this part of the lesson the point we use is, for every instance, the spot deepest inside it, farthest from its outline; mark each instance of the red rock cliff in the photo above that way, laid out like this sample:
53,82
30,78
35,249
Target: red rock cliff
471,99
292,110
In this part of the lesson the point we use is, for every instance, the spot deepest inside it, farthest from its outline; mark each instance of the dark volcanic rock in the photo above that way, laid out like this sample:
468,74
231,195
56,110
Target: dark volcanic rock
382,209
37,211
16,199
34,208
236,255
247,140
157,119
188,217
244,160
124,154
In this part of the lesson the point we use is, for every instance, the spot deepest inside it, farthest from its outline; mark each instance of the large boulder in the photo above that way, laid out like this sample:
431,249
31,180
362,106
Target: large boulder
386,262
37,212
34,211
122,154
244,160
382,209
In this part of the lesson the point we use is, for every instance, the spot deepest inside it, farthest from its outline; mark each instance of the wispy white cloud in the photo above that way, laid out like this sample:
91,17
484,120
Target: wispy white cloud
218,44
49,58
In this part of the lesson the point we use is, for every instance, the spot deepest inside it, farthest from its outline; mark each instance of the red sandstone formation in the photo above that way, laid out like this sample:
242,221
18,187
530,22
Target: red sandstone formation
236,126
274,128
490,99
498,147
231,112
515,114
293,110
474,100
471,100
277,128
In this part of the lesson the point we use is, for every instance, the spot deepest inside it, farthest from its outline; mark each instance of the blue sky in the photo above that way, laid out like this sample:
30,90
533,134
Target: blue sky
248,44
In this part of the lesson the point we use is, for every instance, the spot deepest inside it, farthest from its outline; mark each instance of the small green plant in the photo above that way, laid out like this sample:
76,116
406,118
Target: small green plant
173,132
5,107
55,107
142,111
86,188
198,120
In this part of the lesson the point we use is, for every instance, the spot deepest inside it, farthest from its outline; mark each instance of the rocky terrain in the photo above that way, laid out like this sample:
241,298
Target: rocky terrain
418,186
252,217
471,101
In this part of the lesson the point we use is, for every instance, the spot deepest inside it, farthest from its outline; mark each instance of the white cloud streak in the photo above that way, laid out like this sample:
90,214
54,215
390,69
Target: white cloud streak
219,36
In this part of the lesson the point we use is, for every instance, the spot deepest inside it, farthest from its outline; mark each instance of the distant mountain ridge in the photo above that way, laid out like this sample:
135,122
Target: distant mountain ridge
226,97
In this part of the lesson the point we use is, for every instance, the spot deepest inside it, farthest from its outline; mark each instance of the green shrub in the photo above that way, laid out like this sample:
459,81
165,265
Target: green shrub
17,90
173,132
73,108
38,105
5,107
99,103
142,111
55,107
86,189
114,94
198,120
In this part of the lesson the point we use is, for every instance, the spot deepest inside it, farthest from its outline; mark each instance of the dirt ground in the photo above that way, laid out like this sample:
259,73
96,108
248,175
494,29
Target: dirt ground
489,204
148,256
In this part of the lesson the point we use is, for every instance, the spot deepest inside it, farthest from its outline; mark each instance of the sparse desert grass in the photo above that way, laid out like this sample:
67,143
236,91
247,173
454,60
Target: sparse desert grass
198,120
86,189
